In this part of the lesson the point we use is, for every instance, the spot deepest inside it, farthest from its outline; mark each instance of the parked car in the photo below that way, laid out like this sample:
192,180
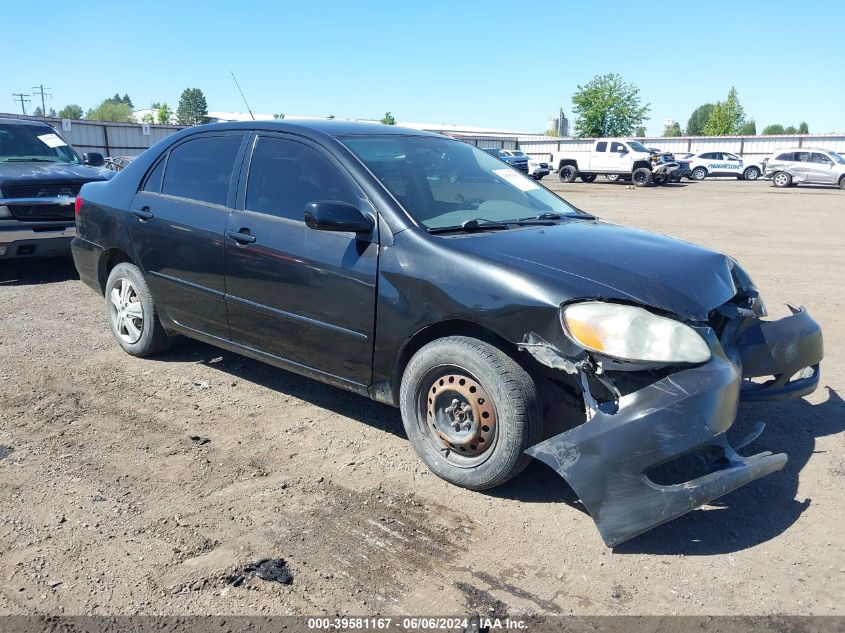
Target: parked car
616,158
519,163
790,167
719,164
40,176
418,271
537,169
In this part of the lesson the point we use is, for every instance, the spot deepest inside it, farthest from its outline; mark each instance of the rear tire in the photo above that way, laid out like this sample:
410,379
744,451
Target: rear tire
587,177
842,183
782,180
642,177
492,392
567,173
752,173
132,312
612,177
699,173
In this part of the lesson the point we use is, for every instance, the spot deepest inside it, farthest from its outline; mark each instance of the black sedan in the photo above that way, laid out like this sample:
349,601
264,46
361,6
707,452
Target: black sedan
422,272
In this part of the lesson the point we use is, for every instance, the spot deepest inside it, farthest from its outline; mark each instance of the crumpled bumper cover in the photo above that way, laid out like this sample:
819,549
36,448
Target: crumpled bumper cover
606,460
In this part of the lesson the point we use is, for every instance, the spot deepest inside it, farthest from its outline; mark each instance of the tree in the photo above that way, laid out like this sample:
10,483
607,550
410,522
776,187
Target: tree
698,119
125,99
673,130
640,132
552,132
773,129
52,112
279,116
163,114
791,130
147,118
608,106
388,119
803,128
749,128
192,110
70,111
38,112
727,117
111,110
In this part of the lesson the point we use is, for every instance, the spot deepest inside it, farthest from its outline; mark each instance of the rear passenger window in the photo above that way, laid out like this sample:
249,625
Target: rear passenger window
789,156
201,169
153,182
601,147
284,176
616,147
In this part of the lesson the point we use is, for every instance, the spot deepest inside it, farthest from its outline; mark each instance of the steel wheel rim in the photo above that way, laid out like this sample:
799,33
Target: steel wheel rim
457,416
126,312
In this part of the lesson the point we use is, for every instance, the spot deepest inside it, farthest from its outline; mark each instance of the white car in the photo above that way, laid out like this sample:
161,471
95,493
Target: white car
721,164
536,168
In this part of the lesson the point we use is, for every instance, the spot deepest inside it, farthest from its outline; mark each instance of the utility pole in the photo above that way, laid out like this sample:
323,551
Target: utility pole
19,96
43,94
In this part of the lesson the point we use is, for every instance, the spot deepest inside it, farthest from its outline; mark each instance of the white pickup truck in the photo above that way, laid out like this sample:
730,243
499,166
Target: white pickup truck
624,159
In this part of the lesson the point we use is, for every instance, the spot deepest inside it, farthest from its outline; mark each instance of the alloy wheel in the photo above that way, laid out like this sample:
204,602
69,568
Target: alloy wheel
126,311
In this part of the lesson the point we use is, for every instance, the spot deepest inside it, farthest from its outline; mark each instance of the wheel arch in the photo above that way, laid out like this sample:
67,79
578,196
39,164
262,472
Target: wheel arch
567,161
110,258
640,163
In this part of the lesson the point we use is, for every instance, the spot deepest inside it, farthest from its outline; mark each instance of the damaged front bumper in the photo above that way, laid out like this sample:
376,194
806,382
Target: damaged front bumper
608,459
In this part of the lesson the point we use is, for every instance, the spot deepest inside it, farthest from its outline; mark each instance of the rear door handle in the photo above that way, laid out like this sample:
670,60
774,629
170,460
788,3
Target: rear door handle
144,214
240,238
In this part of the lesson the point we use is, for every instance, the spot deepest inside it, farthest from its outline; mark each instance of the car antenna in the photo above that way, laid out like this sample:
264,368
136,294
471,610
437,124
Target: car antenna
242,95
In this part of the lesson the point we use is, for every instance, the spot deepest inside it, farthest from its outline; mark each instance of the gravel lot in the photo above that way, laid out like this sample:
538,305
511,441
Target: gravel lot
108,506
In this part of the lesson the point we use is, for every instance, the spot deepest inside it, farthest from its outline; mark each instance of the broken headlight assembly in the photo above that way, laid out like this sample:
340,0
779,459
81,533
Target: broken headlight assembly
630,333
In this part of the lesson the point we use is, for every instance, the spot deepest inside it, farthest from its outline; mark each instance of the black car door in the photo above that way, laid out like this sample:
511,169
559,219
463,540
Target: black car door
303,295
179,218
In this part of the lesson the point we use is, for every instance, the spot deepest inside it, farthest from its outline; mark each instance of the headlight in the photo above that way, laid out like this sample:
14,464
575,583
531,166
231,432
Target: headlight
631,333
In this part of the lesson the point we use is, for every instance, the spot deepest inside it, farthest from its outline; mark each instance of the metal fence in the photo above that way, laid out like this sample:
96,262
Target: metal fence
110,139
753,148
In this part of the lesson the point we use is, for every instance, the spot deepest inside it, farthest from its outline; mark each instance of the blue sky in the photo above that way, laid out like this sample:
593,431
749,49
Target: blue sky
485,63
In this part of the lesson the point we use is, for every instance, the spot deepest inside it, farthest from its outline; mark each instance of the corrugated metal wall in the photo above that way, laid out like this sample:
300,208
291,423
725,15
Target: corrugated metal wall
110,139
749,147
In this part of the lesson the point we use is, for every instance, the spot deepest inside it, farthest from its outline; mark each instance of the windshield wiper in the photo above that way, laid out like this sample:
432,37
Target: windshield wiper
549,218
29,160
475,224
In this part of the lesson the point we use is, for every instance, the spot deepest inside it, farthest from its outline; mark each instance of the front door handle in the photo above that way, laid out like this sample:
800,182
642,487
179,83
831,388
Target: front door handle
144,214
240,238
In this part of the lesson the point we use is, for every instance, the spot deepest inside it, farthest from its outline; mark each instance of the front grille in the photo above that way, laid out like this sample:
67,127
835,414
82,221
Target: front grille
47,190
41,212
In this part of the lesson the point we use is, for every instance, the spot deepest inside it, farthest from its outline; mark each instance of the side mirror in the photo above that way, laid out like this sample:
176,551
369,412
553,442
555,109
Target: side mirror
93,159
336,216
622,149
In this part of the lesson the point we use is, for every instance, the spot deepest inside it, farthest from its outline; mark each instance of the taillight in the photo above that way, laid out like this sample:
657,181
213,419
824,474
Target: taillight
77,205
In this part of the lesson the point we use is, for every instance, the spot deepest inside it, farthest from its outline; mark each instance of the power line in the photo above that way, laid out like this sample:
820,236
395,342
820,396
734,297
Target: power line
19,96
43,94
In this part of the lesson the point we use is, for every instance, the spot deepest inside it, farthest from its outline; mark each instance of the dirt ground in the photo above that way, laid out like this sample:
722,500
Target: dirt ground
107,505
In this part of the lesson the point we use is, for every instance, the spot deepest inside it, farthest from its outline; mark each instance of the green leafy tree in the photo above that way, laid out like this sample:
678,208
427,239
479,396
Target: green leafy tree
70,111
640,132
388,119
125,99
791,130
193,109
673,130
749,128
727,117
52,112
110,110
698,119
148,118
163,114
552,132
38,112
803,128
773,129
608,106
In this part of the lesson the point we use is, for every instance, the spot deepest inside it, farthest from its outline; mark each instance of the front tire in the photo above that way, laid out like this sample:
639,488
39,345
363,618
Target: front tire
642,177
782,180
567,173
752,173
699,173
132,312
470,411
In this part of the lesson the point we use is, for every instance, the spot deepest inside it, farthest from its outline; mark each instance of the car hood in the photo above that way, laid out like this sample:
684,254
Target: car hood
22,173
595,259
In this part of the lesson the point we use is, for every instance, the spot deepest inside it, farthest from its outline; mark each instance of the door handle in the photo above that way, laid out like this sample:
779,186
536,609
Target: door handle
240,238
144,214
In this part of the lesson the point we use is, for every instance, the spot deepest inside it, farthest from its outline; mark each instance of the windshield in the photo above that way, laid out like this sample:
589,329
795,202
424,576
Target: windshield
637,147
441,182
837,157
21,143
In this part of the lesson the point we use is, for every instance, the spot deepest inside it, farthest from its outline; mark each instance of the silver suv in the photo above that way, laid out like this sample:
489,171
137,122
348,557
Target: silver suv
788,167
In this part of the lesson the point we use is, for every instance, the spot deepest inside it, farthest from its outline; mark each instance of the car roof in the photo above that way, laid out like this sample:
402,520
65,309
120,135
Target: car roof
326,126
13,121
